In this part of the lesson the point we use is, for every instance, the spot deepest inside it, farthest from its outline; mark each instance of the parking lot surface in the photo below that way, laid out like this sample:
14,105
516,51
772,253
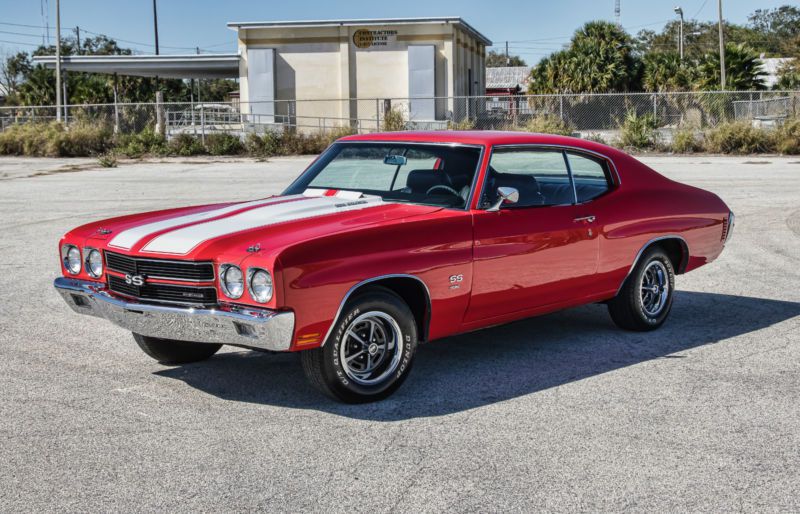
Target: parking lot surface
559,413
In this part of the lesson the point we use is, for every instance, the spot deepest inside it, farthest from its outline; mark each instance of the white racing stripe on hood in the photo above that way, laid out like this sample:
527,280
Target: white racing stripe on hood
184,240
127,238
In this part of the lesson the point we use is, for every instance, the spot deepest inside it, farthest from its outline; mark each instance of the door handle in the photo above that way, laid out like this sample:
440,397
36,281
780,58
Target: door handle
585,219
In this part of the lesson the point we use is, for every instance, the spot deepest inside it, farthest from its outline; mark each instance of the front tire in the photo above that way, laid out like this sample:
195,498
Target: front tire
370,351
168,351
645,299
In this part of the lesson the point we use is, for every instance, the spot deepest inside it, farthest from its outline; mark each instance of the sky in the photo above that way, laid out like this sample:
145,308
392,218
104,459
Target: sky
534,28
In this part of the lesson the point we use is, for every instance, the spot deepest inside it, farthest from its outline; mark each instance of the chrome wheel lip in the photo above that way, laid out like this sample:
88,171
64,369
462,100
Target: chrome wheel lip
392,336
654,288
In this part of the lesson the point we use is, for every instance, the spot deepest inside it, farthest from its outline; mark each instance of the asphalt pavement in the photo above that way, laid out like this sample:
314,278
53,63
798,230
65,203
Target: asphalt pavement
559,413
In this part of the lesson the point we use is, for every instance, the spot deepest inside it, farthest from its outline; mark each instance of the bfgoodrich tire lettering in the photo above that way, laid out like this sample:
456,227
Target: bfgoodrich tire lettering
645,300
370,351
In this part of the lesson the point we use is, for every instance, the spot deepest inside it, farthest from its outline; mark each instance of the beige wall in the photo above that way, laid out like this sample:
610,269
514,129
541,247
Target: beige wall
323,63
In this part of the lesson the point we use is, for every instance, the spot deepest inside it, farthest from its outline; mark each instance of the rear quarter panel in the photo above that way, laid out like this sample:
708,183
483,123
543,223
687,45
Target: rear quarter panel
648,206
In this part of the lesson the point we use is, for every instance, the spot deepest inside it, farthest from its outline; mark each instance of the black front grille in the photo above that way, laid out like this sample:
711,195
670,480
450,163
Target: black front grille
165,293
159,268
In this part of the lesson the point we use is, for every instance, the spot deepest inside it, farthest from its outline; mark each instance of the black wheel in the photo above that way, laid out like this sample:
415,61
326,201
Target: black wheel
168,351
369,352
645,299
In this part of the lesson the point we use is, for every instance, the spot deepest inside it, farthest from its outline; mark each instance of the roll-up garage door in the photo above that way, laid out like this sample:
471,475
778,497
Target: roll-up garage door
261,84
422,82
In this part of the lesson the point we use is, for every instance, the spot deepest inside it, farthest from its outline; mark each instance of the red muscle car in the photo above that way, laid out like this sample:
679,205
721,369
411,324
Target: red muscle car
389,240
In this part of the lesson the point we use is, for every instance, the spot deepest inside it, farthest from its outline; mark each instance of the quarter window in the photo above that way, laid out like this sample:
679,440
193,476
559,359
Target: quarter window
590,175
540,175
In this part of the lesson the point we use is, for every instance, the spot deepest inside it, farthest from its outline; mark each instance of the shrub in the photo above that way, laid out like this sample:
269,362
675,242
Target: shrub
186,145
53,140
738,138
638,131
685,141
393,120
787,137
223,144
107,161
465,124
145,142
595,137
548,124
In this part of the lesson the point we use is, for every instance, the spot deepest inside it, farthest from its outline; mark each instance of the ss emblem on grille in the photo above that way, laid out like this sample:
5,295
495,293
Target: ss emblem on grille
134,280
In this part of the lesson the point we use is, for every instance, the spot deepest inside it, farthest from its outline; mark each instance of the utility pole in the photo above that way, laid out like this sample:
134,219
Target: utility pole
155,23
721,48
58,60
679,12
78,37
508,59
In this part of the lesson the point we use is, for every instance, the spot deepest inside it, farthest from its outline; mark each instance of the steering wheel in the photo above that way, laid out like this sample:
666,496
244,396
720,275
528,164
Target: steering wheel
446,188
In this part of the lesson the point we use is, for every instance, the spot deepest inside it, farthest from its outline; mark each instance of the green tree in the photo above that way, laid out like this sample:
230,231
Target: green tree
743,72
778,29
664,71
498,59
599,59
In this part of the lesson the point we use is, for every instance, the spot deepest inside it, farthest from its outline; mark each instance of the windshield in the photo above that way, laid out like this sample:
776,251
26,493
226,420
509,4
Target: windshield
399,172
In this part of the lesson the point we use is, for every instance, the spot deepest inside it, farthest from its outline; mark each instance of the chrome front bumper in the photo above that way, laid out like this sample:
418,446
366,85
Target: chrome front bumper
261,329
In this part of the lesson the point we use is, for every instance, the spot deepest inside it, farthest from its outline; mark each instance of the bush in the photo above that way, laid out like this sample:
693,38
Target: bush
393,120
638,131
291,142
137,145
548,124
738,138
787,137
685,141
54,140
186,145
223,144
465,124
107,161
595,137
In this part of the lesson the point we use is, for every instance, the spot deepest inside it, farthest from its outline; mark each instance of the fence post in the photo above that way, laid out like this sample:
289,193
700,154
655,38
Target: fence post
655,108
561,106
202,124
160,125
377,115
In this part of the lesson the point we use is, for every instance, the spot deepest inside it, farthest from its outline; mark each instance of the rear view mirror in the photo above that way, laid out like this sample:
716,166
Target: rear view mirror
395,160
505,196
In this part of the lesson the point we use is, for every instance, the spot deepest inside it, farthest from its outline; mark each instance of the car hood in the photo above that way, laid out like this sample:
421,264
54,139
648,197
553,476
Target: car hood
205,232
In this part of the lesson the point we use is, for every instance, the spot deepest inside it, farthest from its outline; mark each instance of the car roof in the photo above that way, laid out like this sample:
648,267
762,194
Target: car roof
482,137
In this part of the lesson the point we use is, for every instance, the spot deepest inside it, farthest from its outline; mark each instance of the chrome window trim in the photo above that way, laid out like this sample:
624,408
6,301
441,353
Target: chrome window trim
353,289
252,271
563,148
481,147
571,177
645,247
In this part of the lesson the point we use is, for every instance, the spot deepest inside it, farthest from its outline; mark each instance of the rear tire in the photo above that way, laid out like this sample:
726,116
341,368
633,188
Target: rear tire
645,299
168,351
369,352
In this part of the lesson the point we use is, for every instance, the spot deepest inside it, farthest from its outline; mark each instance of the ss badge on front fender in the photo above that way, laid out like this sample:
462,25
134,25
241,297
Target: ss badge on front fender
455,281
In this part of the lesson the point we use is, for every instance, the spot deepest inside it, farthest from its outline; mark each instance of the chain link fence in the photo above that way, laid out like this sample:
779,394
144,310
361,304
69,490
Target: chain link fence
600,114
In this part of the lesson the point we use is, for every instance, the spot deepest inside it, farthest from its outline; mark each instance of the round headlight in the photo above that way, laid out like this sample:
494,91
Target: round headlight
260,283
72,259
94,263
232,281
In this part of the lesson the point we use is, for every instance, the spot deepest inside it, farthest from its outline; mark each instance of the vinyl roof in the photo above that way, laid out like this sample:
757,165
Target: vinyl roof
454,20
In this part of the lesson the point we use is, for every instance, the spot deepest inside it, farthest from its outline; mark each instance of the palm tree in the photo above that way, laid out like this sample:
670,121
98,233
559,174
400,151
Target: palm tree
743,72
664,71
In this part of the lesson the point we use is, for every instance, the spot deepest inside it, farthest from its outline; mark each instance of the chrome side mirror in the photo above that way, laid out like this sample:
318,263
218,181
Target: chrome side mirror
506,196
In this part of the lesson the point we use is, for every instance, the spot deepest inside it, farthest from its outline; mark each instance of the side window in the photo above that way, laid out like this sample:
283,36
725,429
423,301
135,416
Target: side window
540,176
590,175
